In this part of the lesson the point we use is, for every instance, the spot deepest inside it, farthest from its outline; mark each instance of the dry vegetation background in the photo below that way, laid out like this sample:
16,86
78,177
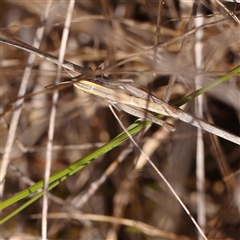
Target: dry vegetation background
106,32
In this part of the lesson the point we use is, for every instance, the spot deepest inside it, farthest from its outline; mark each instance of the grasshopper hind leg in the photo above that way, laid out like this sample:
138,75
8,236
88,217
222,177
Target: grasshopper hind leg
138,112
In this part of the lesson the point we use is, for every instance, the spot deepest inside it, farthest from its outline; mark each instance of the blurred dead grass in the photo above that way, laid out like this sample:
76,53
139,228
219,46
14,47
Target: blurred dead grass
109,32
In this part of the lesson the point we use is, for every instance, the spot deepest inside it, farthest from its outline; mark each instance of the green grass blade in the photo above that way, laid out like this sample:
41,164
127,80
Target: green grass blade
23,206
208,87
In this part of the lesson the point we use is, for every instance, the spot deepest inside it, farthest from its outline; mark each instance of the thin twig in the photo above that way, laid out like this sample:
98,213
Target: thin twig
160,174
143,227
200,166
18,106
53,117
230,13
